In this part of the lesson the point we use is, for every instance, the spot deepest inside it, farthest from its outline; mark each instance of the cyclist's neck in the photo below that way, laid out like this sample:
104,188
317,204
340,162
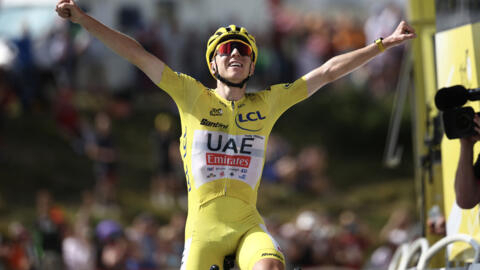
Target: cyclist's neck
230,93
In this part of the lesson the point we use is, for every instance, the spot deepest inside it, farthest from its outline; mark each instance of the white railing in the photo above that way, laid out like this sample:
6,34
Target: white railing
420,249
443,243
406,252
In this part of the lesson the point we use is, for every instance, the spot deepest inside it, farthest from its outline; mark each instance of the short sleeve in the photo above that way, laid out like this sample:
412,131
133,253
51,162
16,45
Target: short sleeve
283,96
177,85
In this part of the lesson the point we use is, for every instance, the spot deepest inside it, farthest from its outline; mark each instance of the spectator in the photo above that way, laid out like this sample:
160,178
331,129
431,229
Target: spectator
63,52
50,229
100,147
287,170
351,243
170,242
25,68
162,138
78,249
142,234
18,252
165,179
4,251
436,222
66,116
277,147
112,246
8,105
399,229
312,163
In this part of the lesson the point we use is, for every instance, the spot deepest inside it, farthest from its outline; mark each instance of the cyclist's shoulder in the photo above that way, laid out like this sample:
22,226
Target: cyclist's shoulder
278,87
178,75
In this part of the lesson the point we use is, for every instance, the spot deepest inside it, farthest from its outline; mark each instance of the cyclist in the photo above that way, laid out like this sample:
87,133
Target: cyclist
225,132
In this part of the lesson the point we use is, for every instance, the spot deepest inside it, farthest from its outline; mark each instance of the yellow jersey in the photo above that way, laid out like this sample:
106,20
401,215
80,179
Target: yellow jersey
223,142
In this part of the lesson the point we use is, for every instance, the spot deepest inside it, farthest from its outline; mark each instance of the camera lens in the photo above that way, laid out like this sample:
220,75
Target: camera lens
463,122
458,123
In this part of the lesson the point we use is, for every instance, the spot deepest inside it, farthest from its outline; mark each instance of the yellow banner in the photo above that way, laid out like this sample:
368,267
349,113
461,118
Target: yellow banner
457,54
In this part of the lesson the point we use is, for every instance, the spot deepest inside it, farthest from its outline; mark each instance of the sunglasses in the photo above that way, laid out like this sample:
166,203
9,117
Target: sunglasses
227,47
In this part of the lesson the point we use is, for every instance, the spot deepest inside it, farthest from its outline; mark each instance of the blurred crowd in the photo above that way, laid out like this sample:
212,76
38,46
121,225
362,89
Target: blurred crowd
83,243
86,241
50,73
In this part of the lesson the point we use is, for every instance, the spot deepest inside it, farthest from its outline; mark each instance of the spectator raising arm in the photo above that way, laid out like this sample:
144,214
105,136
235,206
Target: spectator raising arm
121,44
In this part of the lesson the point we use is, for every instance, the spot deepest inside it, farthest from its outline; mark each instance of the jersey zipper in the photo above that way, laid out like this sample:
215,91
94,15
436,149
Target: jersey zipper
232,103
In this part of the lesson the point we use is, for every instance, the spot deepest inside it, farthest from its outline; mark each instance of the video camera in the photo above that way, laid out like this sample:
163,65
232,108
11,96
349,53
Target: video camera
457,120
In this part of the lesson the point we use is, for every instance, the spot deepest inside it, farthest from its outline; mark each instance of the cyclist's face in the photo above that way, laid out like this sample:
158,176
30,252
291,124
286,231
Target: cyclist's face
234,67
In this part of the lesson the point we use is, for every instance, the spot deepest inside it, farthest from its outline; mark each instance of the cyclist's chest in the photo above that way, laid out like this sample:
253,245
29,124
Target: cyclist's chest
250,115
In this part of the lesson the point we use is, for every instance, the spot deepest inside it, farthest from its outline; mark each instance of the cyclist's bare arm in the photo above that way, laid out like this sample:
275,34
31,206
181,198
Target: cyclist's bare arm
121,44
343,64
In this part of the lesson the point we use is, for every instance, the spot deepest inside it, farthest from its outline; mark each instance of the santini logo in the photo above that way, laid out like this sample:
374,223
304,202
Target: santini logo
208,123
248,117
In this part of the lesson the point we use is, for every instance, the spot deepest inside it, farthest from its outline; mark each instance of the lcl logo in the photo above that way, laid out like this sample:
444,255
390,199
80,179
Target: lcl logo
249,117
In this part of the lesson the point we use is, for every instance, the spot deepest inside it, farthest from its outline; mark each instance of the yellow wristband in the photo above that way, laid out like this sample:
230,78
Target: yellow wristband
379,44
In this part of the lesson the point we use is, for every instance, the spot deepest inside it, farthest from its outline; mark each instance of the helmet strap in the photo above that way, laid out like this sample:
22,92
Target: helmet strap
229,83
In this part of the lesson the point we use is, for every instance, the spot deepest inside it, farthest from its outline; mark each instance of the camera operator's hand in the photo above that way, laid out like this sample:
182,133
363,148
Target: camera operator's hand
470,141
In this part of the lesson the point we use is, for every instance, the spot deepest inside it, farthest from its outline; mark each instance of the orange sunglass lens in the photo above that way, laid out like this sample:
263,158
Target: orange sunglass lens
227,48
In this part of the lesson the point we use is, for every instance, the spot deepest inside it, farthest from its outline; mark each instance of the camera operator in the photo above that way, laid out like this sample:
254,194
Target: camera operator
467,178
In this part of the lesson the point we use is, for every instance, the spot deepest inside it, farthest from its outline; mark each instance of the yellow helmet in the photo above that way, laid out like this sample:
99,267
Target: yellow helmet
226,33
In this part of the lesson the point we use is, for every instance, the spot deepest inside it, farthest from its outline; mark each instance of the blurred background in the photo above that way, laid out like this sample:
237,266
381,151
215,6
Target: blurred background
90,172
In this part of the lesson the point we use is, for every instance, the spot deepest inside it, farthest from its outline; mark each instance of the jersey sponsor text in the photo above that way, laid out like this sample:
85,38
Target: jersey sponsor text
228,160
208,123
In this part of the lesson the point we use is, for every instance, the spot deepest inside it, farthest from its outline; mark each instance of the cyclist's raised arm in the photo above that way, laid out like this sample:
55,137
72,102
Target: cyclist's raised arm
343,64
121,44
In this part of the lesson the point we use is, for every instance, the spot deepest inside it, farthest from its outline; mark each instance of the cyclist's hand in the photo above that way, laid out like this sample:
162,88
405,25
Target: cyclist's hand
475,138
402,33
68,9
